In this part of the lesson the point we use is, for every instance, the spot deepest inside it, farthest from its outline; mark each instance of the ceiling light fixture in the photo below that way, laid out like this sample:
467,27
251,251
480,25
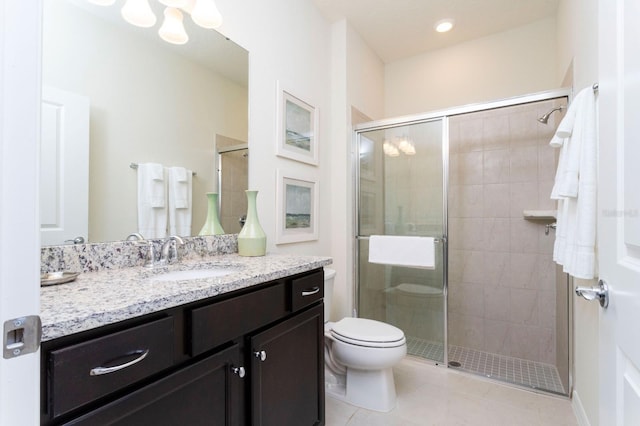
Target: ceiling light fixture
204,13
172,30
444,25
138,13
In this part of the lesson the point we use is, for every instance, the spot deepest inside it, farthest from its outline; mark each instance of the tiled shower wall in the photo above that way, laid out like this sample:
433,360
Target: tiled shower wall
233,202
501,274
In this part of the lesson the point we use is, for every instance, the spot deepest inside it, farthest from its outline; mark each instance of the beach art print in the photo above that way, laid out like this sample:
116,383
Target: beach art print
297,137
297,209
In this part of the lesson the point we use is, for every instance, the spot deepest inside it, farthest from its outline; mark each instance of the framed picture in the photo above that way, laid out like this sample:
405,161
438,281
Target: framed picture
296,208
297,137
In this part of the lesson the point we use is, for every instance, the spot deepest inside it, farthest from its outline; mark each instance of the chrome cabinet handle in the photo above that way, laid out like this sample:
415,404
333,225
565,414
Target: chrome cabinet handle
261,355
600,293
99,371
239,371
311,291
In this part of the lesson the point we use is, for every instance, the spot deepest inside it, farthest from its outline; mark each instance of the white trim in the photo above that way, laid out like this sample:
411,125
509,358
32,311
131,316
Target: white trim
20,97
578,410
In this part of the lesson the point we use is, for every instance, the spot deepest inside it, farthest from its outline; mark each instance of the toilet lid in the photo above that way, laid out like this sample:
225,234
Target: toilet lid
366,332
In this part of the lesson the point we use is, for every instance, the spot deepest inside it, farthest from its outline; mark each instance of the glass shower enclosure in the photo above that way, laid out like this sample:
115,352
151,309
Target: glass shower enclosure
401,179
477,179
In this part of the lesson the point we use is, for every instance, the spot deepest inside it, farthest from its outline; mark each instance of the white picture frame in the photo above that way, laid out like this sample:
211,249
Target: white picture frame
296,208
297,128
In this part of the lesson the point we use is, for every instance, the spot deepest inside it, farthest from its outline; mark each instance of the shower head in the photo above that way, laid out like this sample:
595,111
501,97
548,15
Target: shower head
545,117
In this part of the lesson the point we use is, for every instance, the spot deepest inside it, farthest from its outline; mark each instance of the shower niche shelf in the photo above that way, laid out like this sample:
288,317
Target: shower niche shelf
540,215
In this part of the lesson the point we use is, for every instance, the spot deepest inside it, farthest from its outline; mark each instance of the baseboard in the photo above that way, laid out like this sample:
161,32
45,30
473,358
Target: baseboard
578,410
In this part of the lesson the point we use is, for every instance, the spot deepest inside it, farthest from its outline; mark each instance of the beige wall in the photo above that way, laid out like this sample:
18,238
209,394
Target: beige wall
578,55
289,43
357,81
502,279
147,105
503,65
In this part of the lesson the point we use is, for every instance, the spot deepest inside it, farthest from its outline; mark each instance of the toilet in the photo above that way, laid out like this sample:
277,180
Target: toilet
359,356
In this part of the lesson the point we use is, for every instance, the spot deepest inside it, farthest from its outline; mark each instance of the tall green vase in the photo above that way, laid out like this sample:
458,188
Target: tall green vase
252,241
212,225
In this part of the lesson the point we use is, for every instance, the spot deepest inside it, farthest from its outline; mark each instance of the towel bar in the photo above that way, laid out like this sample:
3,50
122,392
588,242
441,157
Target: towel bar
135,167
435,239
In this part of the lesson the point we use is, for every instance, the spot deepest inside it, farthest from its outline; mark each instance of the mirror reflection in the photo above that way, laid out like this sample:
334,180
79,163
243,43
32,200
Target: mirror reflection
122,95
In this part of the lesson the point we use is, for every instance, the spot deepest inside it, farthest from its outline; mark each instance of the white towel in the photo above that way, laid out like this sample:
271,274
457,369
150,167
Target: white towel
180,189
414,252
575,188
152,211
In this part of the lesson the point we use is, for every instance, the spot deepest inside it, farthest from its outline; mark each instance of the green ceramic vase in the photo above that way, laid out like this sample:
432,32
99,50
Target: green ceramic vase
252,241
212,225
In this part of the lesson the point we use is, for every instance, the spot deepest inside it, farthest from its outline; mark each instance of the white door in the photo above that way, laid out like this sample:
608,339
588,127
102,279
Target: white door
19,230
619,211
64,167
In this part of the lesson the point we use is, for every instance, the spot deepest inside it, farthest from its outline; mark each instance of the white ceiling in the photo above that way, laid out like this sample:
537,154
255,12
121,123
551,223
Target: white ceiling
397,29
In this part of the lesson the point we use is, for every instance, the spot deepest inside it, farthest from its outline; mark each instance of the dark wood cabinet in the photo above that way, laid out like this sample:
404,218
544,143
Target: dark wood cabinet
204,393
254,356
287,372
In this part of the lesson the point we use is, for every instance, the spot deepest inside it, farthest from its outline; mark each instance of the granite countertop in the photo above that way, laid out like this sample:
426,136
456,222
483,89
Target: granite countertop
99,298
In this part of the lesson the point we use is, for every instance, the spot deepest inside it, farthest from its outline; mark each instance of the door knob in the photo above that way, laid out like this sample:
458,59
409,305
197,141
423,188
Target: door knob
599,293
261,355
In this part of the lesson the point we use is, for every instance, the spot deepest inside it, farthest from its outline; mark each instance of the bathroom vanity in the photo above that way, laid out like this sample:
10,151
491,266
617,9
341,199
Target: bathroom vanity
243,348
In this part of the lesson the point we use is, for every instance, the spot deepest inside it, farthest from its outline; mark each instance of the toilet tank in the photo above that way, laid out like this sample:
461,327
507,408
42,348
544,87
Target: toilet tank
329,274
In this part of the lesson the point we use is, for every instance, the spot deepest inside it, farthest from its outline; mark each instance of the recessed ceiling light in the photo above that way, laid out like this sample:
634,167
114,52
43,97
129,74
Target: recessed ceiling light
443,25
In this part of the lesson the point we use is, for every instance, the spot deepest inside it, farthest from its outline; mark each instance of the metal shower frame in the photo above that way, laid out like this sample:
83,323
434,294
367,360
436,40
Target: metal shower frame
443,115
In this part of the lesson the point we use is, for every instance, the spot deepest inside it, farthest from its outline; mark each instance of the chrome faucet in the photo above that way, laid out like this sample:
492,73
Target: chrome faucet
169,251
135,236
150,255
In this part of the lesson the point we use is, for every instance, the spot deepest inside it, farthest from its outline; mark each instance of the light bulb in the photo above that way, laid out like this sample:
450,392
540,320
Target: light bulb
390,149
138,13
172,30
206,14
102,2
444,25
407,147
174,3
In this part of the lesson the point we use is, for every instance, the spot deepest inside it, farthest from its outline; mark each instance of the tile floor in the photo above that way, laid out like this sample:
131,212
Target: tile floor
430,395
536,375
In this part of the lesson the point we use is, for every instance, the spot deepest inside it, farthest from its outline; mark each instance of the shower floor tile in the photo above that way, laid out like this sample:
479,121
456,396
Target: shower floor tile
536,375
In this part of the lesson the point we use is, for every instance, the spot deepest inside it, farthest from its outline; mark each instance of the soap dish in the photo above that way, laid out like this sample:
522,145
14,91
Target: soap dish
53,278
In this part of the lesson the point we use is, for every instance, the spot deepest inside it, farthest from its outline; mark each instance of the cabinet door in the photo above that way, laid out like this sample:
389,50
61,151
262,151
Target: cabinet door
287,387
204,393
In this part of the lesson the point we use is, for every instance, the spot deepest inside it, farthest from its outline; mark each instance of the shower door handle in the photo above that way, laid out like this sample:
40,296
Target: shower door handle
600,293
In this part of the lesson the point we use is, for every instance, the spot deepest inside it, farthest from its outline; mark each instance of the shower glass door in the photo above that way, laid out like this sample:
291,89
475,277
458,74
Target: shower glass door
400,181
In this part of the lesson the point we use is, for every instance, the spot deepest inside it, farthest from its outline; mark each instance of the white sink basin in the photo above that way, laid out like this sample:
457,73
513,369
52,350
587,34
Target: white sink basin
193,274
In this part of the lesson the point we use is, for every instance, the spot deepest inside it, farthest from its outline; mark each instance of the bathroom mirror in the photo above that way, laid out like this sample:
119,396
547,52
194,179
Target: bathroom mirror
146,100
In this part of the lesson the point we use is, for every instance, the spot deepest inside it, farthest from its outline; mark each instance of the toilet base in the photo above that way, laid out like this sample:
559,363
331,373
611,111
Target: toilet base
371,389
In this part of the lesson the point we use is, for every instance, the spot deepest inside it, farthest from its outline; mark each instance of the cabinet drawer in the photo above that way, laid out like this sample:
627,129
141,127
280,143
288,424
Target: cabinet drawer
84,372
221,322
307,290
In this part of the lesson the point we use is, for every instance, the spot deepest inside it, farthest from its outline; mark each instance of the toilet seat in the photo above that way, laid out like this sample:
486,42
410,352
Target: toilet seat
369,333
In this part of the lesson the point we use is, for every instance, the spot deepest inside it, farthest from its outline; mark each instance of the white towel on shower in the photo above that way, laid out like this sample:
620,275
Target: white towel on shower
413,252
575,188
152,210
180,190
